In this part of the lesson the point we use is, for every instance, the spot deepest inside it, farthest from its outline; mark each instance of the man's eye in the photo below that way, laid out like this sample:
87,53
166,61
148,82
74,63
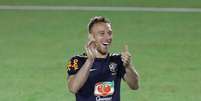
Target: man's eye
110,33
102,33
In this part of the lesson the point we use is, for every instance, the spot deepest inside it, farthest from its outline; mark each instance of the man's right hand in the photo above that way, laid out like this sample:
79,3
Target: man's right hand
77,80
90,49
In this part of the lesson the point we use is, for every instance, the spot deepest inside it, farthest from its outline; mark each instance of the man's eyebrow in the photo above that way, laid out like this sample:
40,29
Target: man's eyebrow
100,31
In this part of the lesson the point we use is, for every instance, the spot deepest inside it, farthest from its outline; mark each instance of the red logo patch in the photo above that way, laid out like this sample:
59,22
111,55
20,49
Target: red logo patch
104,88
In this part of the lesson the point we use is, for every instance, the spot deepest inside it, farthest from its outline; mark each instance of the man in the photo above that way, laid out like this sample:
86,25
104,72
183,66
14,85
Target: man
96,75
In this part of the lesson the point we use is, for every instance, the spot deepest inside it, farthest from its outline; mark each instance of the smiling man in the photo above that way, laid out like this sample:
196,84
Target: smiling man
96,75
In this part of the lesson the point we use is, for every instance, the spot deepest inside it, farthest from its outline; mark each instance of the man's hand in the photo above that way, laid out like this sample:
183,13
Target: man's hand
126,57
76,81
131,75
90,49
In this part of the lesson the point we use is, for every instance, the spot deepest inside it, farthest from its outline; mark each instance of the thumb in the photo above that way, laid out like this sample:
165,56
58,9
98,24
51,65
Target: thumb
125,48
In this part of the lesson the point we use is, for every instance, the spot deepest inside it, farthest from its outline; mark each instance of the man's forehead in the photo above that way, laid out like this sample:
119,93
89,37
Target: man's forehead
102,25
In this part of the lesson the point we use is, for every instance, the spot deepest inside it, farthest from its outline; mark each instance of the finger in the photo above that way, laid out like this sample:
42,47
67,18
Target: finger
126,55
86,48
87,51
93,46
125,62
89,42
126,52
91,38
124,58
125,48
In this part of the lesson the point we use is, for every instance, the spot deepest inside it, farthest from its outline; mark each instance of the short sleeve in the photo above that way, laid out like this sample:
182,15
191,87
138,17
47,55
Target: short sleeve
73,65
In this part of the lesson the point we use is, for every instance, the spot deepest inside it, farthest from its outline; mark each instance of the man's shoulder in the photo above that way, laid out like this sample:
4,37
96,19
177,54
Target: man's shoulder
82,56
115,55
75,63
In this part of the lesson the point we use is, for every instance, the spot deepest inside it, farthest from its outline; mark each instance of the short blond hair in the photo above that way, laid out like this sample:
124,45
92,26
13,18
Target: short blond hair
97,19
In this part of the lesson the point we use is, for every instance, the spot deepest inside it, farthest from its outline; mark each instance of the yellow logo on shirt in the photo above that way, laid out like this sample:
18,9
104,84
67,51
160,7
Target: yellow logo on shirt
72,65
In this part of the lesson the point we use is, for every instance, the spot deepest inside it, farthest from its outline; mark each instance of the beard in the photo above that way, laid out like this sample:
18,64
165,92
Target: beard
102,49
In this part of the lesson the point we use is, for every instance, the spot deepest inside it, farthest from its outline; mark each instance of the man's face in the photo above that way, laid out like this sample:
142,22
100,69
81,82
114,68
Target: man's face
102,33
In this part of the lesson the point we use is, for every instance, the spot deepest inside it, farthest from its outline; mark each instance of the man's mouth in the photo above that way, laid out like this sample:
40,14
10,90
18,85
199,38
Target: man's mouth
106,44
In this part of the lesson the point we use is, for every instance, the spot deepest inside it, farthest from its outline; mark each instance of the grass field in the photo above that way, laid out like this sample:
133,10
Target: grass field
34,46
150,3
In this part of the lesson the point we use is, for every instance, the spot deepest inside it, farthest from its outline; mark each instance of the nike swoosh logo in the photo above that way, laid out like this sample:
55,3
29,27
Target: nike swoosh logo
92,70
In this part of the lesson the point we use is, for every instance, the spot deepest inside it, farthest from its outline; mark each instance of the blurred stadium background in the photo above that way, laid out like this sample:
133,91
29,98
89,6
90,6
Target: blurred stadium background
166,46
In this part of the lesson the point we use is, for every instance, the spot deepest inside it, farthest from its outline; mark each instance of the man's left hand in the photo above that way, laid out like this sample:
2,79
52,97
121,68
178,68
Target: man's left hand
126,57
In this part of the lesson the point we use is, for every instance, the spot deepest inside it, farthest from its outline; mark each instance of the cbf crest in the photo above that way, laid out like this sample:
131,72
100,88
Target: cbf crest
113,68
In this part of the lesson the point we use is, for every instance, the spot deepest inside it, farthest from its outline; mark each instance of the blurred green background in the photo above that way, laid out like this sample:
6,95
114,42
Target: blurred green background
154,3
35,45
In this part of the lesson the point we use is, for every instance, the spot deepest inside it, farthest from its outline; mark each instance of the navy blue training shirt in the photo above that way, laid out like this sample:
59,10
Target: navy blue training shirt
103,83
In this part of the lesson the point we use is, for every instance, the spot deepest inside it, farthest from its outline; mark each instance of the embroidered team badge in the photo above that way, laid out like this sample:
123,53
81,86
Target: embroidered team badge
72,65
113,68
104,88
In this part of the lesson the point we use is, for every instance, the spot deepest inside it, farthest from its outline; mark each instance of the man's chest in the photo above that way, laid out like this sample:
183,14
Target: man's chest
103,71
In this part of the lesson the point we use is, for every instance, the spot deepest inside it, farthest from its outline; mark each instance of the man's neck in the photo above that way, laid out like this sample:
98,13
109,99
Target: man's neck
100,55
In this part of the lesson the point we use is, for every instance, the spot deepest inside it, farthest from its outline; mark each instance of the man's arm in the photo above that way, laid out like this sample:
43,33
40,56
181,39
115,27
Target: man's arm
131,76
75,82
